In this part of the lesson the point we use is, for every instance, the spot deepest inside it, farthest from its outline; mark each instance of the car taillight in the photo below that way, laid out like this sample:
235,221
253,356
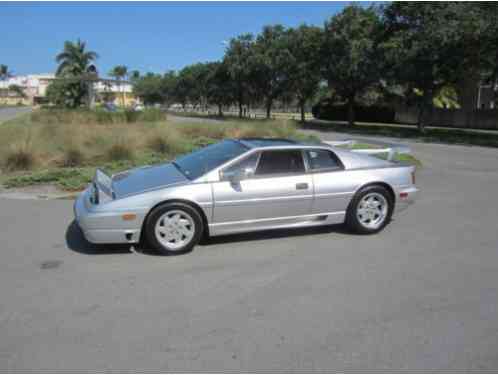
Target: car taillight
413,178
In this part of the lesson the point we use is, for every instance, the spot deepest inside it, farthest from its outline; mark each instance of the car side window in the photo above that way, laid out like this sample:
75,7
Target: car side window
280,162
322,159
244,164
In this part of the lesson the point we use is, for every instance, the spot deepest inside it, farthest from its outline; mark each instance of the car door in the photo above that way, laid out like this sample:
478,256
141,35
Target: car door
278,188
333,189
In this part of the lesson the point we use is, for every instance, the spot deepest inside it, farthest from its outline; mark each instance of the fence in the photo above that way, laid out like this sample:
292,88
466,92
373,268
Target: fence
452,118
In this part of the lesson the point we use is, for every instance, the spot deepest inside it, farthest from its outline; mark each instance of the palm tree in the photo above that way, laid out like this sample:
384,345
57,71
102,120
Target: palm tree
4,72
74,60
120,72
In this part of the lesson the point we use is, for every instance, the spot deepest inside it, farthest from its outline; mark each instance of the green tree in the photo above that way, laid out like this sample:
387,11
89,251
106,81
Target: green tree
74,60
17,90
304,42
476,49
149,88
74,74
120,72
351,62
238,60
134,75
67,92
420,46
220,87
271,65
169,85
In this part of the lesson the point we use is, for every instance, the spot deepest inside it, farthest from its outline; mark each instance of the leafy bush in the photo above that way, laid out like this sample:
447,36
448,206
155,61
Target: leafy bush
326,110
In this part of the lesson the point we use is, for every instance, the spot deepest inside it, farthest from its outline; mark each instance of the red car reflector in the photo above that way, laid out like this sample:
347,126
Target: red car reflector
403,195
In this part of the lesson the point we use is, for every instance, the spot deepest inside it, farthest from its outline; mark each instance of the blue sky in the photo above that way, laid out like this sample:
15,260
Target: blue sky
144,36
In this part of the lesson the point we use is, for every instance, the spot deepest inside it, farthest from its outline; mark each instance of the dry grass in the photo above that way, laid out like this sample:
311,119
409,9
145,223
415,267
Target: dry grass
166,141
20,155
72,139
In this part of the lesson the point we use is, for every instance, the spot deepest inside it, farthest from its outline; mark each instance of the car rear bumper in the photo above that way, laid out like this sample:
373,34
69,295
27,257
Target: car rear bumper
405,197
98,227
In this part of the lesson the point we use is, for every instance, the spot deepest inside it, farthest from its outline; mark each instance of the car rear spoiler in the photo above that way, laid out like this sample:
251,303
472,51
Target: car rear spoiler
389,150
102,183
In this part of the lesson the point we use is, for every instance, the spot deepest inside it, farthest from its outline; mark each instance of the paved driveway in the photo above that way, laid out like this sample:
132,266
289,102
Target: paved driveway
422,295
11,112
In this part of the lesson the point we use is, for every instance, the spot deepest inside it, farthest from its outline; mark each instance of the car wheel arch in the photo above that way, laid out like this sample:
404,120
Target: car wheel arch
385,185
193,205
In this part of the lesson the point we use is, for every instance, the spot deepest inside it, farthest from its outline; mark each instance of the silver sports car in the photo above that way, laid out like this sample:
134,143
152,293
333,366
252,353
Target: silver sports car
242,185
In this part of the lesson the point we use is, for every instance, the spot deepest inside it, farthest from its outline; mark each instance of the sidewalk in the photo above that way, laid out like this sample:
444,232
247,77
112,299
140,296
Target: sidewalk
404,126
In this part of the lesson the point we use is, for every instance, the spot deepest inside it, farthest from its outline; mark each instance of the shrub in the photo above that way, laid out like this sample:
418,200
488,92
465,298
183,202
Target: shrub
120,151
72,157
131,116
21,156
152,115
19,159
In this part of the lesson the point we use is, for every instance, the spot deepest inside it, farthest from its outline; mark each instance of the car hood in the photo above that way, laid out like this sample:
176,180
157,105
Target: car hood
138,180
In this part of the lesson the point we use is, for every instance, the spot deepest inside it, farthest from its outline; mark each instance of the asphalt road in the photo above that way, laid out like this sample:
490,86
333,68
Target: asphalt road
11,112
422,295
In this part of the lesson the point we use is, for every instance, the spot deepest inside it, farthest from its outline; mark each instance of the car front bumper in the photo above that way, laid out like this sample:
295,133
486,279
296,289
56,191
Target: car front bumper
104,227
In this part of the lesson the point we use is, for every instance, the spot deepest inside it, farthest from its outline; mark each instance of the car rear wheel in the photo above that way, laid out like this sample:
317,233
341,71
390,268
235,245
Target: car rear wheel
370,210
174,228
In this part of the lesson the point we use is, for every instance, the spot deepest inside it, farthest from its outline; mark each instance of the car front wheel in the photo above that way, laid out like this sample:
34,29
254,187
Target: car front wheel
174,228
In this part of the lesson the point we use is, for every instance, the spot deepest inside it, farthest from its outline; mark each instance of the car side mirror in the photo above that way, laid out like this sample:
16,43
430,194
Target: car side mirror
237,175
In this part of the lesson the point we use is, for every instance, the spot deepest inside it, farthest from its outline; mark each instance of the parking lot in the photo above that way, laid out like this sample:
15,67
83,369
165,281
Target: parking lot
421,295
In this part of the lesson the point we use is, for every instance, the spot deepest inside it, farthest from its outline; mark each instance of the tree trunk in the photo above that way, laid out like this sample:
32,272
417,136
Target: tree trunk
240,108
423,110
268,108
220,110
301,106
351,110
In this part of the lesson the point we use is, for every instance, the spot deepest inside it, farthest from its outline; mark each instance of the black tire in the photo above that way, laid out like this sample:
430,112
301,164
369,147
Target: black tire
352,221
156,215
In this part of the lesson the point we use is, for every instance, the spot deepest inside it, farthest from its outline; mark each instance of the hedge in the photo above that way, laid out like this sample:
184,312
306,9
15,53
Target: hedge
339,112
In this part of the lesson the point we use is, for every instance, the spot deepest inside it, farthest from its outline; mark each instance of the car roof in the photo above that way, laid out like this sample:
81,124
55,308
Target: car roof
275,142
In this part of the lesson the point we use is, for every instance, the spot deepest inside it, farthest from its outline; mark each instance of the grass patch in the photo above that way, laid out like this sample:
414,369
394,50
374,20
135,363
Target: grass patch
98,116
449,136
64,147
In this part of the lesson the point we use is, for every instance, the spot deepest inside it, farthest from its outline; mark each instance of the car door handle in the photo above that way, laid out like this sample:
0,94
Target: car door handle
302,186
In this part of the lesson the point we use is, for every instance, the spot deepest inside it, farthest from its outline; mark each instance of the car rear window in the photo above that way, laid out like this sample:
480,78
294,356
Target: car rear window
322,159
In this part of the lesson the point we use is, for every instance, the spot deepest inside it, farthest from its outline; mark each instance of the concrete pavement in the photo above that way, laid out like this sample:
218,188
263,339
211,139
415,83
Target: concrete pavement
422,295
9,113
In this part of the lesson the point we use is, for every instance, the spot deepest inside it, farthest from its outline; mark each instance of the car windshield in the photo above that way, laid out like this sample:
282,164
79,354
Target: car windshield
201,161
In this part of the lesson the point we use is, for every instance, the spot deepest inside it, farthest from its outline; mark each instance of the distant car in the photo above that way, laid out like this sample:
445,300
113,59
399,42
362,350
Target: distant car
242,185
110,107
138,108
